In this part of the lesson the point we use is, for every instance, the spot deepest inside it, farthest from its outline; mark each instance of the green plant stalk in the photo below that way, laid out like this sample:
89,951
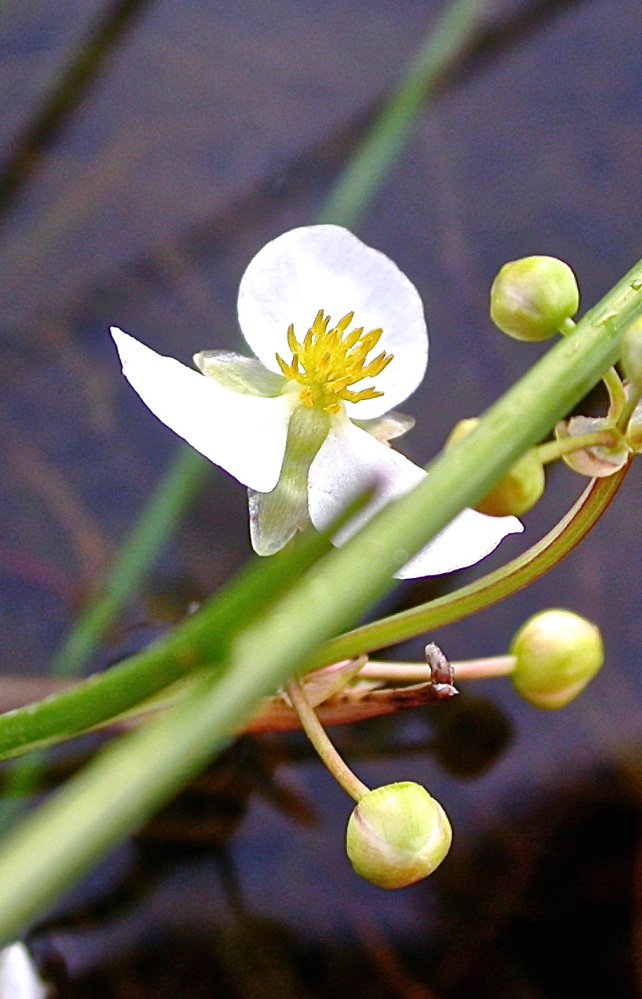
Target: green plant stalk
54,846
166,506
393,129
354,188
325,749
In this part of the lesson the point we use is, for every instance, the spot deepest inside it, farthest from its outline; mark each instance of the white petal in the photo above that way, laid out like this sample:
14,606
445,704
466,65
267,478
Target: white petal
243,434
19,978
468,539
351,459
326,267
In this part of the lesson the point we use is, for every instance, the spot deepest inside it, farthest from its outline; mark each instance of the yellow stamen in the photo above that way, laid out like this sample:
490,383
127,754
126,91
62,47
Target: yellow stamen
329,360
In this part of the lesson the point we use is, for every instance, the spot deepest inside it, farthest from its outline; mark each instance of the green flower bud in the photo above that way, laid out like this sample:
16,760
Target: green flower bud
531,298
521,487
397,834
558,653
632,354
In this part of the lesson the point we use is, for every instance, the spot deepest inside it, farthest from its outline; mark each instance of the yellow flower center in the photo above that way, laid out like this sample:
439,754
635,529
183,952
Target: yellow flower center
330,359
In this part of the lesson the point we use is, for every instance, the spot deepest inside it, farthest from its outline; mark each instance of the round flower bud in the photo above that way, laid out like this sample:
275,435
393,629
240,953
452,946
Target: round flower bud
558,653
632,354
518,491
531,298
397,834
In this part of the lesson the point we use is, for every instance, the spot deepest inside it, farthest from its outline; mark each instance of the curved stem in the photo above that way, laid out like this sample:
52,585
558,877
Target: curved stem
322,744
485,592
552,450
629,408
615,388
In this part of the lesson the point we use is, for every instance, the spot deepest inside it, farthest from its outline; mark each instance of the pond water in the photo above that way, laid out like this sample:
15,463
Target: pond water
134,195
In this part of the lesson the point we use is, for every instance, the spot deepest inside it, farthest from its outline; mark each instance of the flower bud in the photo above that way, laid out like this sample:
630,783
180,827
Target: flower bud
632,354
531,298
518,491
558,653
397,834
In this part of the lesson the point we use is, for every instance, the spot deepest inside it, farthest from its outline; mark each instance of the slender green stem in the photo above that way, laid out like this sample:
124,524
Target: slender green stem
615,388
392,130
568,326
322,744
553,450
203,639
487,668
168,503
629,408
484,669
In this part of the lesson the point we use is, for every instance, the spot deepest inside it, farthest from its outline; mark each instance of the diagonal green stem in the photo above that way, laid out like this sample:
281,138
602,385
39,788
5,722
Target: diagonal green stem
389,134
164,509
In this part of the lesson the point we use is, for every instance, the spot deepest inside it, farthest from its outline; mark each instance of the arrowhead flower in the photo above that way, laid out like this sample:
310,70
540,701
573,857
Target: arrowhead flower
339,338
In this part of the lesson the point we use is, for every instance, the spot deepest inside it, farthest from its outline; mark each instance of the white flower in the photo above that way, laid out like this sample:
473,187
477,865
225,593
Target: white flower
340,337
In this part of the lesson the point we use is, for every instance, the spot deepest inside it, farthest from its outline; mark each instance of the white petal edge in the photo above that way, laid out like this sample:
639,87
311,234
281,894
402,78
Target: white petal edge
350,460
18,976
243,434
327,267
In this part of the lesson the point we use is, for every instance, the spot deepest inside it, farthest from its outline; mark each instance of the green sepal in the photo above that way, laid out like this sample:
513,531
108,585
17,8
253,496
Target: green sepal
238,373
276,517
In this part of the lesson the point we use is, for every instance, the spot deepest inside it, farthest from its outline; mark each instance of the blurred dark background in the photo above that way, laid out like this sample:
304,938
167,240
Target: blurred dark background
147,151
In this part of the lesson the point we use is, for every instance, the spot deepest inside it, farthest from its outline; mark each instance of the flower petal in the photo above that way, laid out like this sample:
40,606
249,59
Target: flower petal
326,267
350,460
243,434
